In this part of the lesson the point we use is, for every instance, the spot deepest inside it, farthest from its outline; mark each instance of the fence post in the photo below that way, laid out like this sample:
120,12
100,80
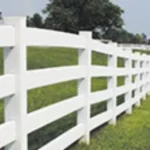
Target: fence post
84,86
128,81
143,77
112,83
137,80
15,63
148,76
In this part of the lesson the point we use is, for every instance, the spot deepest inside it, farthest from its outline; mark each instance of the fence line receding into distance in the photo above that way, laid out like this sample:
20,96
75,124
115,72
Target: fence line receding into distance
16,80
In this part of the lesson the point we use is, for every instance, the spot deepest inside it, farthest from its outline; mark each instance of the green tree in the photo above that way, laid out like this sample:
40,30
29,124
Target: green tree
30,22
148,41
1,16
119,35
35,21
138,38
123,36
145,40
75,15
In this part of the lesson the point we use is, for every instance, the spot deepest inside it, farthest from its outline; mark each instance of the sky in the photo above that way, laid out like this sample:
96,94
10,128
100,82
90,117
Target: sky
136,16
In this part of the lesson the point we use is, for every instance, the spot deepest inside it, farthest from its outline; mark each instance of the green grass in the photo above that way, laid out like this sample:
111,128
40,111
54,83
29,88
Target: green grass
38,58
132,132
41,97
142,51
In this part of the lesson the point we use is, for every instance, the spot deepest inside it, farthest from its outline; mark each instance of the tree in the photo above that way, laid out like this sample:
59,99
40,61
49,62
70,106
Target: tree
145,40
148,42
35,21
138,38
1,16
30,22
75,15
119,35
123,36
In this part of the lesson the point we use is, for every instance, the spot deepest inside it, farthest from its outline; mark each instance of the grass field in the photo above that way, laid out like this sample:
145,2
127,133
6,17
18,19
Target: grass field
38,58
131,133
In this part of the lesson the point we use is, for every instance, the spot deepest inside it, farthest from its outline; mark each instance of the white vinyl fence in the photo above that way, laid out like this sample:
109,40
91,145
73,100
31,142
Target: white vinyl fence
135,46
15,37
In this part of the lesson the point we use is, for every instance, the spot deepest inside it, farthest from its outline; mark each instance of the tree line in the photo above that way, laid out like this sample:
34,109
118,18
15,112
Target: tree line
102,17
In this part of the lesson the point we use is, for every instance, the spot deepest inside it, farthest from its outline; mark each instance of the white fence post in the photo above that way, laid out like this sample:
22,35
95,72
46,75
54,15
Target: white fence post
148,90
15,63
84,86
112,83
143,77
128,81
147,75
137,81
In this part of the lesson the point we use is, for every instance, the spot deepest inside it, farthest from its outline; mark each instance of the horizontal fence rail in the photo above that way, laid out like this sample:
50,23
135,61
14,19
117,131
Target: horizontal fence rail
66,139
7,85
7,133
7,36
43,77
17,80
66,107
135,46
36,37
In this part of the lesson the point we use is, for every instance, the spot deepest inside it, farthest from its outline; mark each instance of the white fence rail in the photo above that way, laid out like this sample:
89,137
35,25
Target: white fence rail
135,46
15,37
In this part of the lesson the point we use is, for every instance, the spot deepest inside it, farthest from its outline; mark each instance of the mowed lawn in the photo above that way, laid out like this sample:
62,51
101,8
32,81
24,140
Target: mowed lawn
40,58
132,132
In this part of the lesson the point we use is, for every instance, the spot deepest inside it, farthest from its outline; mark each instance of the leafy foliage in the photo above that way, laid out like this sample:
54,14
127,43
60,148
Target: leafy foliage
35,21
101,17
1,16
123,36
72,16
